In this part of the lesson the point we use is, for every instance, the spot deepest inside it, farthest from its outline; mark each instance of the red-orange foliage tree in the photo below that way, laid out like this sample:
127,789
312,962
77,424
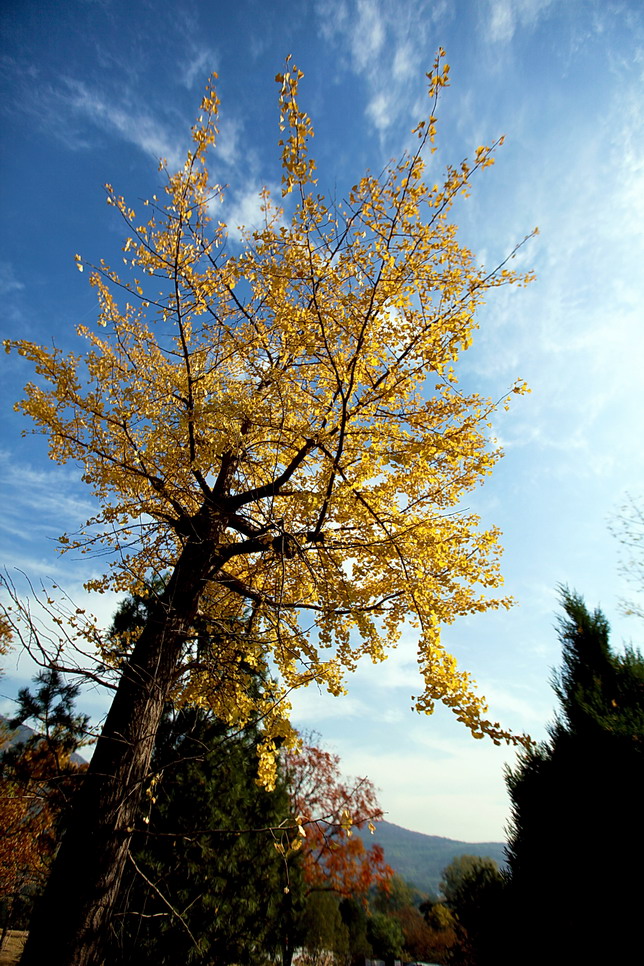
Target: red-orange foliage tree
37,780
34,789
26,832
330,809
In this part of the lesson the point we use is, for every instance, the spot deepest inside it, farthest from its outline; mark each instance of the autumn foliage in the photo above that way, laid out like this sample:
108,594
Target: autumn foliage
26,835
331,811
296,404
36,785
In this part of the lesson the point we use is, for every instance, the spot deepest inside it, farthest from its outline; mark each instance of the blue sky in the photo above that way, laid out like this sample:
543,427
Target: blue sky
96,91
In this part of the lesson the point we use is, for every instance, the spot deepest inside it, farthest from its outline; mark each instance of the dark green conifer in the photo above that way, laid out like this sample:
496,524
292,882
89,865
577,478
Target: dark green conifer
206,884
576,847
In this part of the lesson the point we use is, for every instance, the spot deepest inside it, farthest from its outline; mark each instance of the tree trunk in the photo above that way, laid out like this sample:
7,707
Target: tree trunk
71,922
7,919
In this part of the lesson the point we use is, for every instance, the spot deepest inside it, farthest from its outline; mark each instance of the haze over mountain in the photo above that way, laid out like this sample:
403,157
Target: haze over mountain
420,859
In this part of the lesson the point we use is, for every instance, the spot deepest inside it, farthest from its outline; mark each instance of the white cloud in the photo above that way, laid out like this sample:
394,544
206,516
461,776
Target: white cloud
505,16
380,110
200,62
312,706
387,46
228,140
152,132
502,21
242,209
9,282
430,788
403,60
50,498
503,702
576,334
138,128
333,16
368,35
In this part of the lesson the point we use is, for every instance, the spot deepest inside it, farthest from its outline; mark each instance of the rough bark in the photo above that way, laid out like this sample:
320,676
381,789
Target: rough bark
72,920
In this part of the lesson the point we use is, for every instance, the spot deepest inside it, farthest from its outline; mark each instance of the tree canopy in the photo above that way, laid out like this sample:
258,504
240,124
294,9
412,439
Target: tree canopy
474,892
298,402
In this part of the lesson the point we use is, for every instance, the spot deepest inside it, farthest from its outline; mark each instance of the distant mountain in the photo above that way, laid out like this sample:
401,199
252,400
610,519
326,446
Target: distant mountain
17,736
420,859
20,736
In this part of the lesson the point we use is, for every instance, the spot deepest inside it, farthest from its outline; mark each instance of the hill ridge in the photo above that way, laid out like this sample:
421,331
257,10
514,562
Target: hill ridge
420,858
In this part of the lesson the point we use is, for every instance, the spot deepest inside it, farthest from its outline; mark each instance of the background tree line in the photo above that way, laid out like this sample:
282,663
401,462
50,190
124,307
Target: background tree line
221,870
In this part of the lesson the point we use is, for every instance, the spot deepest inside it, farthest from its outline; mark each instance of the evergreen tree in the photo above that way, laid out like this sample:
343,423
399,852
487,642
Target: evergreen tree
354,916
473,889
324,930
386,937
59,729
212,877
576,834
205,884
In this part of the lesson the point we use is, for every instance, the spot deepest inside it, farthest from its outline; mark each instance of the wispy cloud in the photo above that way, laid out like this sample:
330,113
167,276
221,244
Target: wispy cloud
228,144
153,131
504,702
133,125
387,45
9,282
504,17
576,335
199,63
50,498
311,707
242,208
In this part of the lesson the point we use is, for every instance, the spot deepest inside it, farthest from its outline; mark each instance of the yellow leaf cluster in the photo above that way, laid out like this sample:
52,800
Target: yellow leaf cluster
294,406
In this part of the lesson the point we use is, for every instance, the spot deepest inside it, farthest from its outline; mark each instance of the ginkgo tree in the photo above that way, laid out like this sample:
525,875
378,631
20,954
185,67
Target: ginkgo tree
274,434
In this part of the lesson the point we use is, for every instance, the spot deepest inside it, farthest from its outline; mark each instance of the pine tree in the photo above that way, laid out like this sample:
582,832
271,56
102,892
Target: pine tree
576,838
204,883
